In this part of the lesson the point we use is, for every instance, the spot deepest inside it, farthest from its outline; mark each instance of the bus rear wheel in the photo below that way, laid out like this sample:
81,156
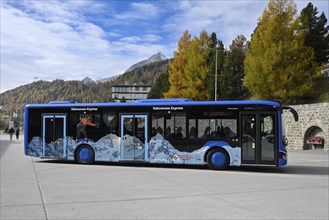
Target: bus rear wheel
218,159
85,155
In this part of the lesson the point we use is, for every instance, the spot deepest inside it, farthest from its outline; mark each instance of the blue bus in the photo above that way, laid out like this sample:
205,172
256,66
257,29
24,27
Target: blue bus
164,131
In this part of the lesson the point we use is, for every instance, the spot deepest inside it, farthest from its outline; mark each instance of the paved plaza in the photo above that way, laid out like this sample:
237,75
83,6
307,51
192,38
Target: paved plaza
33,188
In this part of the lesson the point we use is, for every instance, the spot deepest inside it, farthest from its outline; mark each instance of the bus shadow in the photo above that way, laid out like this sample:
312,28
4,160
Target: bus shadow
126,164
309,170
290,169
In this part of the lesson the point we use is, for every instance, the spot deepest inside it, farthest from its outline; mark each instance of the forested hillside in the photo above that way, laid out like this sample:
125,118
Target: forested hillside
78,91
146,74
44,92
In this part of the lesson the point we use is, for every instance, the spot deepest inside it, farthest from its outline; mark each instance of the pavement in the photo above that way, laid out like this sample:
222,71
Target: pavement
33,188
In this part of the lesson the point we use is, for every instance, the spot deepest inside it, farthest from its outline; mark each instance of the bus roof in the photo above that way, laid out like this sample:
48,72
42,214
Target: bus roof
157,102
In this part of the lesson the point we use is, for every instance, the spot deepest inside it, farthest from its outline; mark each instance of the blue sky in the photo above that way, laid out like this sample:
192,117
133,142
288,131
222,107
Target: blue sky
53,39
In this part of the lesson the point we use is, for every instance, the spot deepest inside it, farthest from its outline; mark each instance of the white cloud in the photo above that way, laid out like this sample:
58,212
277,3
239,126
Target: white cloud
50,42
51,48
225,18
152,38
148,38
74,39
138,11
131,39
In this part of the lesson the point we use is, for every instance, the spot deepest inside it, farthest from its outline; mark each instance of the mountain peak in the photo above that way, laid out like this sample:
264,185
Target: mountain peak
154,58
157,57
87,80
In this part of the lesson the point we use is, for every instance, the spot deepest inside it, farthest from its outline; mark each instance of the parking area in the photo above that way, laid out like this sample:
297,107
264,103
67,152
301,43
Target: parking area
32,188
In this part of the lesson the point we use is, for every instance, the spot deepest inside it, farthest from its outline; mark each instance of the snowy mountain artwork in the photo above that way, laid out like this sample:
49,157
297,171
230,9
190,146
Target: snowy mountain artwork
112,148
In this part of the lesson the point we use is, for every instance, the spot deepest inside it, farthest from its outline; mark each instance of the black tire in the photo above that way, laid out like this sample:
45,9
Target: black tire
218,159
85,155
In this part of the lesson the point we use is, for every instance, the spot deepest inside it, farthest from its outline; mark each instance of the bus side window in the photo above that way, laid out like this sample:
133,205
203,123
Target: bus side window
157,124
176,127
110,122
229,127
96,119
204,128
193,131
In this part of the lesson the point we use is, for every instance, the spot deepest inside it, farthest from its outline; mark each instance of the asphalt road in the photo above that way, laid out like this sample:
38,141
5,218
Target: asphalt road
32,188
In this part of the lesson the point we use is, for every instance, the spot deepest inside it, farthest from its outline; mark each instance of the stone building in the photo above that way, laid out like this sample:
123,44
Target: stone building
313,123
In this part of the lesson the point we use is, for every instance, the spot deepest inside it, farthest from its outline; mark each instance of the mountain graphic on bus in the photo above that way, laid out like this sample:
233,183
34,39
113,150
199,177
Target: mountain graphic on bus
161,151
108,148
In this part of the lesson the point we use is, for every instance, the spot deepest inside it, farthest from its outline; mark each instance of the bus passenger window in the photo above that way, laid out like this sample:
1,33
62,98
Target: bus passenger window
93,119
168,132
229,127
178,124
110,122
206,133
96,119
157,125
204,128
193,131
216,128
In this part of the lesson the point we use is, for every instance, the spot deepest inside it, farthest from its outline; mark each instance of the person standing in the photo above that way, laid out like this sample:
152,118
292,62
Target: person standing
11,133
81,128
17,134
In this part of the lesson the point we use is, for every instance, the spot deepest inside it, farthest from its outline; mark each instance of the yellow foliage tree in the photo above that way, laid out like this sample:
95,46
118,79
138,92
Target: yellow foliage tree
278,65
177,68
196,69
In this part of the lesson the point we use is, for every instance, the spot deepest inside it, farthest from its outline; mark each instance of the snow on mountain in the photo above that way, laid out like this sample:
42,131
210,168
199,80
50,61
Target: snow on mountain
154,58
112,78
87,80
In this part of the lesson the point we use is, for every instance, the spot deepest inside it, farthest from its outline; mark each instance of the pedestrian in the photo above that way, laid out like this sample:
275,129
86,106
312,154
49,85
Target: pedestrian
17,134
11,133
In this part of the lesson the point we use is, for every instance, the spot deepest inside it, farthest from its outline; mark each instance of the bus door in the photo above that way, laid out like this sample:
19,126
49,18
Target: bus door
54,136
258,138
134,138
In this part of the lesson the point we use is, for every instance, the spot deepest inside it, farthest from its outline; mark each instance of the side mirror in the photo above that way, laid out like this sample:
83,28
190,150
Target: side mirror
294,113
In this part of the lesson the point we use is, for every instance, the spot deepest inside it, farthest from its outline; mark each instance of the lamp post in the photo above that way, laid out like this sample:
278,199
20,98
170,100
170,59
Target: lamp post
216,47
216,50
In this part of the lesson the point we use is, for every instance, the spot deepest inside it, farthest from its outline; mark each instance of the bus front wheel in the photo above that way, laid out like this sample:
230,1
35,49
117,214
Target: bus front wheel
85,155
218,159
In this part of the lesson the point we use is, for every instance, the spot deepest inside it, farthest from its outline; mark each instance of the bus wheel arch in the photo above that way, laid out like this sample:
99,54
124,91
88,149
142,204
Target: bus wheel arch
217,158
84,154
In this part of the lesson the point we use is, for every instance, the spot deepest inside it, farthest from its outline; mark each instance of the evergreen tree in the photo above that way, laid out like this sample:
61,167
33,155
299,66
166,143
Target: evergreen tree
160,87
196,69
278,65
177,66
317,35
231,86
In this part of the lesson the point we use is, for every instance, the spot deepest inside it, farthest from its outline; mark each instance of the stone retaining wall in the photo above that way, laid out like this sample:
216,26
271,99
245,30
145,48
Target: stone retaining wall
313,121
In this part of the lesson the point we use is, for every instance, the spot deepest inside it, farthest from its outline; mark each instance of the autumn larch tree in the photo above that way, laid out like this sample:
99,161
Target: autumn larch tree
278,64
196,69
177,68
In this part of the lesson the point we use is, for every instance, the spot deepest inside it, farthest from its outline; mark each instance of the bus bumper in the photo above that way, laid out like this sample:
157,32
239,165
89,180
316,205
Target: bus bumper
283,159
